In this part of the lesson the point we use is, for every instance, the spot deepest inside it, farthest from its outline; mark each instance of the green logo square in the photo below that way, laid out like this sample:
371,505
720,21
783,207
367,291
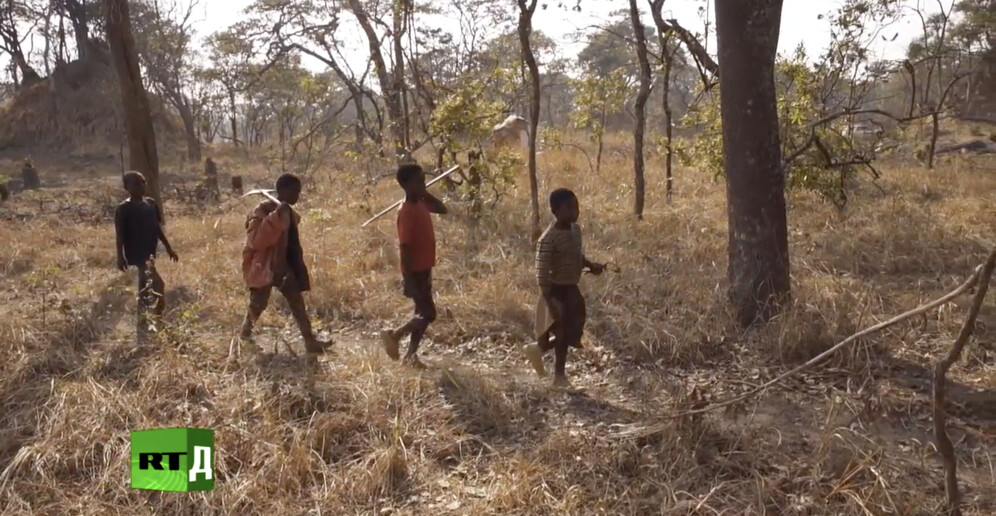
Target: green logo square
173,459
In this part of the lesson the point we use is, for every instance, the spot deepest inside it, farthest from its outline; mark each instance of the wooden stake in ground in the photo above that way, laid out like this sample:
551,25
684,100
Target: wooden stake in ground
944,445
142,155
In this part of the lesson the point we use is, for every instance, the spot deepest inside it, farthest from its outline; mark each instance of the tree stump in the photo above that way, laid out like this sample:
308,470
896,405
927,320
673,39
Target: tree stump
30,176
4,193
237,184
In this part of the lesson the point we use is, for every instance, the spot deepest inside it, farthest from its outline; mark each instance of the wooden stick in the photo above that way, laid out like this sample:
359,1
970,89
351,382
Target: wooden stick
944,445
395,205
645,431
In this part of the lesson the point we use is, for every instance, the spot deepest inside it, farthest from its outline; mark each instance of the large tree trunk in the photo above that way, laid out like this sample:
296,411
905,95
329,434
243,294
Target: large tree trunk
639,182
747,33
525,29
142,155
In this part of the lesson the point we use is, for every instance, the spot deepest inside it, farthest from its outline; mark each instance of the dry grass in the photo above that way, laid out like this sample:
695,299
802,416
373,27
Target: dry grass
478,434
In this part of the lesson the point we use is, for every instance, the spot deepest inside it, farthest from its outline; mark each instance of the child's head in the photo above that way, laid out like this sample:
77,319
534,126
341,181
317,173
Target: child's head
134,183
564,205
411,178
288,188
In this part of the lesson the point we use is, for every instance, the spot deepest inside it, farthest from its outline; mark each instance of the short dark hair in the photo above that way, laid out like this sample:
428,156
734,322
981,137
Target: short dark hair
407,172
559,197
287,181
130,176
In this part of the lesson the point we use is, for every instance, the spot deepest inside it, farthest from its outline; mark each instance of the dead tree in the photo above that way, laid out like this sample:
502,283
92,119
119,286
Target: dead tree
944,446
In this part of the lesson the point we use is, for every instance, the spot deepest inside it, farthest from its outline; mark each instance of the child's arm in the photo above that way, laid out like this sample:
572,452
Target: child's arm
436,206
595,267
119,238
162,234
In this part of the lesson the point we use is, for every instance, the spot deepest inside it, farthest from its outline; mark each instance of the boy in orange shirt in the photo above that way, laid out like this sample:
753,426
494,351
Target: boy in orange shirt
417,242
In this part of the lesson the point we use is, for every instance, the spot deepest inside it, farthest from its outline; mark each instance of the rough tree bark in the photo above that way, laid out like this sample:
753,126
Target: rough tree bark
526,10
758,270
142,155
639,182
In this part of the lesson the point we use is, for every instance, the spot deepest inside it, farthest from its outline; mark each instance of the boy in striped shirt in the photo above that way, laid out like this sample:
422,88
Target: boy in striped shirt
560,310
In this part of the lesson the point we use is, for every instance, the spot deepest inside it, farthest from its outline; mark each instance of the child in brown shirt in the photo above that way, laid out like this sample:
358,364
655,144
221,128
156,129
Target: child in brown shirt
560,261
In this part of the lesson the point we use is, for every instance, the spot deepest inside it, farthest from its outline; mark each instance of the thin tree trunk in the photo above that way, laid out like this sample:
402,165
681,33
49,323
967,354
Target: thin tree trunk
232,118
525,30
936,126
668,117
142,154
392,97
190,129
639,181
758,266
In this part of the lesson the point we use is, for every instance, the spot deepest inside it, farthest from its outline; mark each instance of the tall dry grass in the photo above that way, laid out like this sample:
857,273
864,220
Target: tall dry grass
479,434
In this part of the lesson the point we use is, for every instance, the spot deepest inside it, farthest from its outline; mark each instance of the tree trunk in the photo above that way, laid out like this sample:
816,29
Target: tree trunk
142,155
28,74
639,181
401,11
935,125
668,117
232,118
525,29
77,11
190,129
758,269
392,97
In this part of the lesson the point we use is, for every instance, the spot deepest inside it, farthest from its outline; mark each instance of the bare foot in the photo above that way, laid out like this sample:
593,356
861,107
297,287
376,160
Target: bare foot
535,356
413,362
390,344
561,383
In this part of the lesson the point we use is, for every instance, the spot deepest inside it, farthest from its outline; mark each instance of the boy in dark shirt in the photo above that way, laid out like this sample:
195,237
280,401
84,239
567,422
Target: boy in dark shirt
138,226
417,242
560,261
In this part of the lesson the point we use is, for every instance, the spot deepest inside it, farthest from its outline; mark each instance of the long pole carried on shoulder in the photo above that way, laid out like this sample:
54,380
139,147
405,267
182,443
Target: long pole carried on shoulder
395,205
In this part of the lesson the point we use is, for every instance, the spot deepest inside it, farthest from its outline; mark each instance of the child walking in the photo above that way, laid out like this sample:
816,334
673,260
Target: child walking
273,257
417,243
560,311
138,228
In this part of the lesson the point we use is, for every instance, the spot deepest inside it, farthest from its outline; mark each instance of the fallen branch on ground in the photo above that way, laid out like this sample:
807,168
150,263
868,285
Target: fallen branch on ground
968,284
944,445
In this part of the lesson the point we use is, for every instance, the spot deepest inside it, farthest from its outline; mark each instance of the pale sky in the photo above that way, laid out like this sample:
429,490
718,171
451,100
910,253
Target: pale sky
800,24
